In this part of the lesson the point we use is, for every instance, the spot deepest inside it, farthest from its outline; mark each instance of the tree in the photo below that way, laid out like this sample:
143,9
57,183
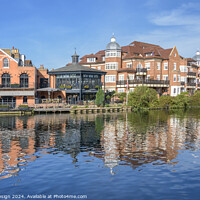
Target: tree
165,101
143,97
99,98
195,99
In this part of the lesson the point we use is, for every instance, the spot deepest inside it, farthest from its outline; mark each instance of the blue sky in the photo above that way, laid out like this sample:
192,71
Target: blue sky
47,31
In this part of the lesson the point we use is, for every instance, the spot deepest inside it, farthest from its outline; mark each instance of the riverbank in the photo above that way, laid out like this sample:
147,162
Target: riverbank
83,110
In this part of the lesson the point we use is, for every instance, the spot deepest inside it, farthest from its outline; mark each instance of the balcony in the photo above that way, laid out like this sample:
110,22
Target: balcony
141,72
191,85
182,83
191,74
126,70
17,86
148,83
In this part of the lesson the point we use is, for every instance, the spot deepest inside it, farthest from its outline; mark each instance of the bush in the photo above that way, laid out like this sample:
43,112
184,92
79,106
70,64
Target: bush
143,97
122,95
107,105
23,106
195,99
99,101
181,100
165,101
4,106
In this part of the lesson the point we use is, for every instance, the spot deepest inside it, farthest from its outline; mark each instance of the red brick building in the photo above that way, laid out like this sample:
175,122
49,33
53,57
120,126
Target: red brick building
19,79
144,64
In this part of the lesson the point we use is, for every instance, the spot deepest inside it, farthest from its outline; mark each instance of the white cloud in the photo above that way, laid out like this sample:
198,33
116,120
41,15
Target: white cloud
184,15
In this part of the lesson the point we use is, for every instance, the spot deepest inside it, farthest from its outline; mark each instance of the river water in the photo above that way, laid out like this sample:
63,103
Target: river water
150,155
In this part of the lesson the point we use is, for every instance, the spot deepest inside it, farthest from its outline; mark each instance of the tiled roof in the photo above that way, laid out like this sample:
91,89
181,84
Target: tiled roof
137,50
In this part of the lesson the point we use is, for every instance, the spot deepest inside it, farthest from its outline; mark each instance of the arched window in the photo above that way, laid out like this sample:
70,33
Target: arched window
24,80
5,80
5,63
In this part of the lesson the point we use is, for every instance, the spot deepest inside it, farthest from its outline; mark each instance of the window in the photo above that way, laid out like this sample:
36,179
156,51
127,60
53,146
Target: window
130,76
178,78
174,90
24,80
182,79
25,100
121,90
5,80
5,63
175,55
91,59
158,66
147,66
139,66
110,78
93,67
174,78
121,77
131,89
165,66
129,65
165,77
113,53
99,68
43,82
103,58
174,66
158,77
111,66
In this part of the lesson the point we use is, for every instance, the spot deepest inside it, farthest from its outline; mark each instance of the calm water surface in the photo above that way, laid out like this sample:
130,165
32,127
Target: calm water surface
151,155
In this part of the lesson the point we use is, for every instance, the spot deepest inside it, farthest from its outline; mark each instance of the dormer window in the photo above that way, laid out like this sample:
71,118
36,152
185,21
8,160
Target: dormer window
148,54
91,59
5,63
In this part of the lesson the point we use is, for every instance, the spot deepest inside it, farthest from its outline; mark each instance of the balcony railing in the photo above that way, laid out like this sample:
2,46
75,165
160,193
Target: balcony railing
163,82
191,84
198,85
141,70
191,74
15,86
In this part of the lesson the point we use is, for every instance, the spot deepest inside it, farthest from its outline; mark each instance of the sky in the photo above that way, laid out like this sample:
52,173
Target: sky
48,31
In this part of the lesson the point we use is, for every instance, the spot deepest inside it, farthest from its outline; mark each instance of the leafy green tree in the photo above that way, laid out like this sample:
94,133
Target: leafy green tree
181,100
122,95
195,99
143,97
165,101
99,101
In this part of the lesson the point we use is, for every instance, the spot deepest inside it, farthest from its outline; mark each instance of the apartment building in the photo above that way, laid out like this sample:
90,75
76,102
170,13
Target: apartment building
144,64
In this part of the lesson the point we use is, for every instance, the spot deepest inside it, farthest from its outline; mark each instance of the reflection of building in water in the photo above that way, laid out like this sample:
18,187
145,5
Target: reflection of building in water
128,139
110,144
159,142
23,136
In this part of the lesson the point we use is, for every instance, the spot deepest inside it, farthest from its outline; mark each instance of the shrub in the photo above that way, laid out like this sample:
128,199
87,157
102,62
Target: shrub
23,106
122,95
181,100
195,99
143,97
99,98
165,101
107,105
4,106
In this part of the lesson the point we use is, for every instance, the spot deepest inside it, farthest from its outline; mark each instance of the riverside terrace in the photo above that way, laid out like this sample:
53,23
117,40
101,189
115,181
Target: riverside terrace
74,83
